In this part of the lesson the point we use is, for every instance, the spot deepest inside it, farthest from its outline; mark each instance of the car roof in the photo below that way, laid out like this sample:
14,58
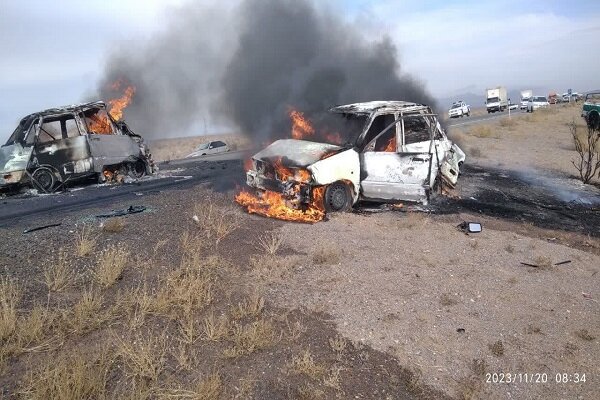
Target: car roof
68,109
372,106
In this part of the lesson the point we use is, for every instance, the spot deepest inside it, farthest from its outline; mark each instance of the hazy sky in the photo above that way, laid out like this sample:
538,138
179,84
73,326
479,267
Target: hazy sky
53,52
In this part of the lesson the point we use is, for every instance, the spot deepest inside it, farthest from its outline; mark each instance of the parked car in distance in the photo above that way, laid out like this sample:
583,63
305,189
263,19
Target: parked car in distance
210,148
512,106
459,109
536,102
591,110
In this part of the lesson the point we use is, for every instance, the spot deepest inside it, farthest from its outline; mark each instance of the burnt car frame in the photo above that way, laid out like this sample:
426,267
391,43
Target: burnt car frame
367,168
59,145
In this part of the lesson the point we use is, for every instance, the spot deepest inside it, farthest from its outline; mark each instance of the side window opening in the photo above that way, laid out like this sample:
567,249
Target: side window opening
98,122
416,129
50,130
30,139
385,142
71,128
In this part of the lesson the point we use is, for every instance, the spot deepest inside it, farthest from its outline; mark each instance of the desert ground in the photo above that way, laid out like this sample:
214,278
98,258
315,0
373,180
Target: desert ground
196,299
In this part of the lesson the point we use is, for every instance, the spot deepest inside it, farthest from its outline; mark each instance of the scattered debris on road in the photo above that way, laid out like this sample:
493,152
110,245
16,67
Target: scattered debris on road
39,228
121,213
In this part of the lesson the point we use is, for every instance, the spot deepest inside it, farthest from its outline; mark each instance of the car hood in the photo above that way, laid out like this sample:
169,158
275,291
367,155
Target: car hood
14,158
296,153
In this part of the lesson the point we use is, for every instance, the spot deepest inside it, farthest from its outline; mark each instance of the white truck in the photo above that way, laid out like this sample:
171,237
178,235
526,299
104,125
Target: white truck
459,109
525,96
496,99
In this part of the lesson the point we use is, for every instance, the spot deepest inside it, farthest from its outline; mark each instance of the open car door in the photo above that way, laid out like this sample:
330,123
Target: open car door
388,171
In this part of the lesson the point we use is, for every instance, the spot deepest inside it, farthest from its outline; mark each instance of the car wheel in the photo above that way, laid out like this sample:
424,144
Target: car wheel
337,197
44,179
137,169
593,120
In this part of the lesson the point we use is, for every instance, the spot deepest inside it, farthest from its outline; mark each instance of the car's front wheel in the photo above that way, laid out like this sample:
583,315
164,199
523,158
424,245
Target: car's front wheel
44,179
337,197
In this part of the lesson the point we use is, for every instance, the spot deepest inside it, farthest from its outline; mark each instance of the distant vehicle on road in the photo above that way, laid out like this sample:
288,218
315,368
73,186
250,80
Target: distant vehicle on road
459,109
512,106
566,98
536,102
525,96
207,148
496,99
591,109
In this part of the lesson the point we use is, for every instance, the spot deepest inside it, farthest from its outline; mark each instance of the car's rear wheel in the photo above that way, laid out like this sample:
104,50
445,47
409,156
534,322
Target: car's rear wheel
593,120
44,179
137,169
337,197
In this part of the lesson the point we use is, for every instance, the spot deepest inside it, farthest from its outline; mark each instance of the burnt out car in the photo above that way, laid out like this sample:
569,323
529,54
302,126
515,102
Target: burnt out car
60,145
396,151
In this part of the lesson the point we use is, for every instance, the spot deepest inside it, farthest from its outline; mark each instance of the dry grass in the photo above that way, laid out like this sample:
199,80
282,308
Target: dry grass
215,329
86,314
305,364
326,254
85,241
143,356
270,242
483,131
543,261
10,296
250,307
338,344
72,378
111,264
497,348
114,225
508,123
215,222
60,275
251,337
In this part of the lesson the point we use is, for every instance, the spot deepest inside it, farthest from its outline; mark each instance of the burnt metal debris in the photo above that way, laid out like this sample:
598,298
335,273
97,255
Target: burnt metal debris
50,148
39,228
121,213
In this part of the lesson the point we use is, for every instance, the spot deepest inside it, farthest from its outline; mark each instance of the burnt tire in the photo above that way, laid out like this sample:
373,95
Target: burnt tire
593,120
137,169
44,179
337,198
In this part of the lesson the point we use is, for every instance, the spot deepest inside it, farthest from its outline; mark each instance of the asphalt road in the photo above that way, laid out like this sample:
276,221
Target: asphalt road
482,118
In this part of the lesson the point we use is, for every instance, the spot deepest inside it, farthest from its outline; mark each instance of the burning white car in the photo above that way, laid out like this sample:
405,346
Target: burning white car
398,151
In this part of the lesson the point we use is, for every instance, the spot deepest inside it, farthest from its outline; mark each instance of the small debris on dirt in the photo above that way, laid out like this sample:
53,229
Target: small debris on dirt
563,262
39,228
585,335
120,213
460,330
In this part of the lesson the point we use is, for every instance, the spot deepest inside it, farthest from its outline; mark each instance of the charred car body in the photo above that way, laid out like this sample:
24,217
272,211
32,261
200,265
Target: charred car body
398,151
59,145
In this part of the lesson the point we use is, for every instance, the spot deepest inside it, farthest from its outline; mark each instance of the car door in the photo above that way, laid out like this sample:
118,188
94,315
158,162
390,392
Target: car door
107,145
60,144
388,172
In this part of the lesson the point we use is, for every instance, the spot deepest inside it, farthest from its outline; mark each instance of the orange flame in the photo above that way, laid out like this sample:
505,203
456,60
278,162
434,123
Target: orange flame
391,146
118,105
274,205
301,127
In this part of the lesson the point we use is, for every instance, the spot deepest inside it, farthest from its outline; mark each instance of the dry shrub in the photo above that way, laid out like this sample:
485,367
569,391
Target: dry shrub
273,268
483,131
214,329
497,348
85,241
72,378
111,264
338,344
10,297
86,314
587,147
60,275
144,357
114,225
585,335
215,222
209,388
326,253
250,337
305,364
333,380
543,261
270,242
250,307
137,303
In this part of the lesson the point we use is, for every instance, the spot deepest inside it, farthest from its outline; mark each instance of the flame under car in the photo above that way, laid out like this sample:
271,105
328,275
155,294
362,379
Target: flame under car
59,145
400,152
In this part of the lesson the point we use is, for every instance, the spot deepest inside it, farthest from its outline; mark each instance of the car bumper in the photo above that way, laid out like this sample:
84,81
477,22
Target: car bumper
295,192
8,179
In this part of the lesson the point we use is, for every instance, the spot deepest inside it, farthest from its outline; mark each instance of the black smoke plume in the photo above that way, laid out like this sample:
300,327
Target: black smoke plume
249,65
